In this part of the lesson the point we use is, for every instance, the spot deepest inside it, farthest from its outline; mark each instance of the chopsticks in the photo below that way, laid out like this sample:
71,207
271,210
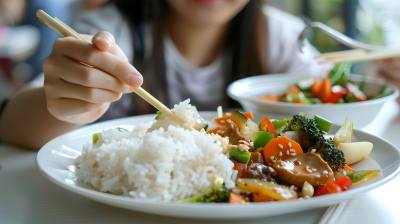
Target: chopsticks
64,30
331,215
357,55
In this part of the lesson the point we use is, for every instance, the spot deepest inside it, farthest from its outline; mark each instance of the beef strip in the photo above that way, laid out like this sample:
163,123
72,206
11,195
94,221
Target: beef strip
232,131
261,172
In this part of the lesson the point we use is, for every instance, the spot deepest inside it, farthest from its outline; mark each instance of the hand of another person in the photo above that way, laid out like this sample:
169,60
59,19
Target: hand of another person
80,94
390,70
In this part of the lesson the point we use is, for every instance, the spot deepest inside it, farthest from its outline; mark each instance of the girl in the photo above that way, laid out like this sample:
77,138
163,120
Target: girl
183,48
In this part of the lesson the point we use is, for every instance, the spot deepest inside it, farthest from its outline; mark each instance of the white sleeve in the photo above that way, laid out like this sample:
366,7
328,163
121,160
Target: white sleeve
283,53
106,18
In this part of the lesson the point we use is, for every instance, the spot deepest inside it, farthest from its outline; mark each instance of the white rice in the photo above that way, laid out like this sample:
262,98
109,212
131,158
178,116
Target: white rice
167,164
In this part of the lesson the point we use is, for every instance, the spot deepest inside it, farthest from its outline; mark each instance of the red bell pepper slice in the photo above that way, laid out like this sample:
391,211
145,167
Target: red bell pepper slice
337,93
241,168
342,184
265,122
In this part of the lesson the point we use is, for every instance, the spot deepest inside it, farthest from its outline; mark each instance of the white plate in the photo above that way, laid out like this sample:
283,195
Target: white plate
56,161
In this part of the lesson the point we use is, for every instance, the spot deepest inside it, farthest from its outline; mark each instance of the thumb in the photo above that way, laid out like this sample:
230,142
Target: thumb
103,40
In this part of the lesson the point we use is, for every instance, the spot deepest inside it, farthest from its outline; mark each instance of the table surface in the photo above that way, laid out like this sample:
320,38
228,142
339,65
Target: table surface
26,196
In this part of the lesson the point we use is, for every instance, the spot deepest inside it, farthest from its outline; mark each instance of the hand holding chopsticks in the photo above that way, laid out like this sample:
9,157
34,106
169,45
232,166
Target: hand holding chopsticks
64,30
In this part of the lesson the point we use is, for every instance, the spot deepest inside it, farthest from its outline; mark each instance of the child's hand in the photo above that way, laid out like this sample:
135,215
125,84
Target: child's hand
80,94
390,70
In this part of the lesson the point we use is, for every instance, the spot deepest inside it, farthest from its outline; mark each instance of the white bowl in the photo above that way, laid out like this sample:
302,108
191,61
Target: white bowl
246,91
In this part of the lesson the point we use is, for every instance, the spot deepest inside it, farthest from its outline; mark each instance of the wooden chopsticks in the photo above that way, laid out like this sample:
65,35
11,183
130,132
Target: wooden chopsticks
357,55
64,30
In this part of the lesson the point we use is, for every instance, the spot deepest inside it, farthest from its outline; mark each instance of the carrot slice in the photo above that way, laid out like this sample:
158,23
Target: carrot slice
347,168
218,131
298,102
325,90
269,98
294,89
282,97
315,87
265,122
279,148
248,115
237,199
257,197
222,120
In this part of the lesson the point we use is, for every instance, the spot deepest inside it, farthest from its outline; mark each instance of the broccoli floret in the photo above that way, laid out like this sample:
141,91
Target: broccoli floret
310,135
328,152
309,131
219,193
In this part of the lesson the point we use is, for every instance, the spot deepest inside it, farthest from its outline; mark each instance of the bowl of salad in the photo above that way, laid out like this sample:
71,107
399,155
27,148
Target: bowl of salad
336,96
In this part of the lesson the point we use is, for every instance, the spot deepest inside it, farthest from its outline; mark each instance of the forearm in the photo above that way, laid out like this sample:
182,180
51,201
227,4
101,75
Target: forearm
27,123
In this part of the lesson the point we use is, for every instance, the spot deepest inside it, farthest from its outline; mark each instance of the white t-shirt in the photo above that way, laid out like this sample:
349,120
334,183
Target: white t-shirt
205,85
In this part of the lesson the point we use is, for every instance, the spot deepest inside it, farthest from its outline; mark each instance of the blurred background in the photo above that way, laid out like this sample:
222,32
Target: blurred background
25,42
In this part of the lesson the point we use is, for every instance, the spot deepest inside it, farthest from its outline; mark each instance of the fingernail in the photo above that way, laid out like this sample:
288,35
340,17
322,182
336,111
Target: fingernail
135,80
105,39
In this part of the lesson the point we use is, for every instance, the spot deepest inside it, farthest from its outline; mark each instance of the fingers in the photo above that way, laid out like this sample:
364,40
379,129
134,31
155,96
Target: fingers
89,54
103,40
64,109
76,73
63,89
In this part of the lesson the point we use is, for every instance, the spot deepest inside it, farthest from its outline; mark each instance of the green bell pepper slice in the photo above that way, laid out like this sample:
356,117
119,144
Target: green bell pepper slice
239,156
262,138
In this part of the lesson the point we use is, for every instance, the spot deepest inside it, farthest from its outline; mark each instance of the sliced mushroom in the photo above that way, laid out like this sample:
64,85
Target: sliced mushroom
304,167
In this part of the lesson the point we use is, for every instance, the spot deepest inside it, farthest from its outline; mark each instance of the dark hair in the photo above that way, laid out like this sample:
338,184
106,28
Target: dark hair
245,45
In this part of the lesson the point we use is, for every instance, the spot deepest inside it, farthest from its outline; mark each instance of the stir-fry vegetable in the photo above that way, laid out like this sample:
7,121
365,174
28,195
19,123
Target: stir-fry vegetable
343,184
262,139
257,197
345,133
335,88
239,156
218,193
332,155
309,130
237,199
355,151
265,122
323,124
360,175
279,149
241,168
96,137
275,191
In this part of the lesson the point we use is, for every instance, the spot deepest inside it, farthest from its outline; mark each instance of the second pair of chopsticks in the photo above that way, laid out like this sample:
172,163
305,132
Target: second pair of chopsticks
357,55
64,30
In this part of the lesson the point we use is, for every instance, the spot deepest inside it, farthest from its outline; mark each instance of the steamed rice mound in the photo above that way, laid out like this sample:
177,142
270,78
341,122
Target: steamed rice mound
166,164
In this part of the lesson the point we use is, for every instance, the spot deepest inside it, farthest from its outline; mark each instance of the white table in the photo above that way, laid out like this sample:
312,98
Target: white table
26,196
